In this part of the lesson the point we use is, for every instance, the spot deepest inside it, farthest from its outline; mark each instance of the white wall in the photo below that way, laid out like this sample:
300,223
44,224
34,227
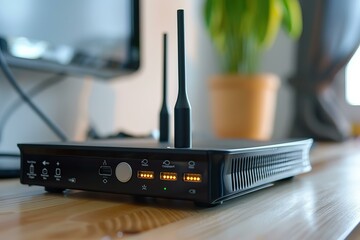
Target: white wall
129,103
132,103
280,59
142,90
66,103
202,62
138,96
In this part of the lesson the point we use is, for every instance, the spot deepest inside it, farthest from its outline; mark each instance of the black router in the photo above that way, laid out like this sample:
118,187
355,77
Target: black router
207,173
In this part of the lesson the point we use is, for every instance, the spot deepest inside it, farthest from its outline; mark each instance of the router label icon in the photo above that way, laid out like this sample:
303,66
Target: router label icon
167,164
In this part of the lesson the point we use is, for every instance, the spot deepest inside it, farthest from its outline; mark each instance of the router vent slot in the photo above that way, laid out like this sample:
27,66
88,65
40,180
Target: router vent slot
248,170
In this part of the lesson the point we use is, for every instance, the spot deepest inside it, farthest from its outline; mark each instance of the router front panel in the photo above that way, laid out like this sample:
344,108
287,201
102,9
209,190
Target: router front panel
180,176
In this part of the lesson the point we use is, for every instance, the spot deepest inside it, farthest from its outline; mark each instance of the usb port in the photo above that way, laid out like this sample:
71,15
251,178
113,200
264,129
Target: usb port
168,176
192,177
105,171
145,174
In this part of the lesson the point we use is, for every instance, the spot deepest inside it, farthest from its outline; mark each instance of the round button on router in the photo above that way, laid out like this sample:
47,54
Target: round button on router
123,172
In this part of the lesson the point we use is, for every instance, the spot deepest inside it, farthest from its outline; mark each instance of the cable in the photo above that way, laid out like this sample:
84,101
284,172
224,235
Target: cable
9,76
45,84
12,155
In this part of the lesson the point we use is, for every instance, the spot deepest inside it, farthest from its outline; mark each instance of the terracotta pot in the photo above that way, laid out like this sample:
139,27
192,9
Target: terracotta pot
243,106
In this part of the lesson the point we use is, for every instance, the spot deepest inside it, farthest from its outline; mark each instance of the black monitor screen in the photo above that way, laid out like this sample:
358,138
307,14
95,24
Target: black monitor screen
93,37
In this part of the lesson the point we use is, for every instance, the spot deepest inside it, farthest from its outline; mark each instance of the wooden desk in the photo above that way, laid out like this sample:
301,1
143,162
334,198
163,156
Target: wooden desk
322,204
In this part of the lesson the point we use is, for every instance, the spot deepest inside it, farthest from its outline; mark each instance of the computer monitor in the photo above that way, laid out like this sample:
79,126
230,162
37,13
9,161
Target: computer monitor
87,37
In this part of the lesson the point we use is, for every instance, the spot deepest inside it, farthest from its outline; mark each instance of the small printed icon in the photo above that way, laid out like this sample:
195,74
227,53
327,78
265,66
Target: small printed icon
32,169
57,171
72,180
144,187
145,162
104,163
191,164
45,163
167,164
105,180
192,191
44,171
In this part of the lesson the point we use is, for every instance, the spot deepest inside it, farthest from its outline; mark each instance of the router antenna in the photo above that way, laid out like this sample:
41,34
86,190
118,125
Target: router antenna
164,112
182,106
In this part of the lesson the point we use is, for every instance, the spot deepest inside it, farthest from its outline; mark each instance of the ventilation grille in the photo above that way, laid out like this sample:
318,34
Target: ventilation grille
248,170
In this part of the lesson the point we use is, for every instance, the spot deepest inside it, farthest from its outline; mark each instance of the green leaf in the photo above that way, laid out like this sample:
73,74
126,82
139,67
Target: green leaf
292,19
260,13
242,29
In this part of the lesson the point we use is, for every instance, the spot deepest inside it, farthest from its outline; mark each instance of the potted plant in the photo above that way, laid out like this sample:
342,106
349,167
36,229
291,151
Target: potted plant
243,100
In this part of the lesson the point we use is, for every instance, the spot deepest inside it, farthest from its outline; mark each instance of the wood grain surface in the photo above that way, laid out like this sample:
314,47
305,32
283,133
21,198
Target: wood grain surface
322,204
30,213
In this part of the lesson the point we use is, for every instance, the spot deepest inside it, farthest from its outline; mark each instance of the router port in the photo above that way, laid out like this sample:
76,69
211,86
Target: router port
145,174
105,171
192,177
168,176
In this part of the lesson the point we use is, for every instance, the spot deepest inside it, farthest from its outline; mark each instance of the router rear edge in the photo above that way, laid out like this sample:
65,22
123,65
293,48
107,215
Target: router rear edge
206,174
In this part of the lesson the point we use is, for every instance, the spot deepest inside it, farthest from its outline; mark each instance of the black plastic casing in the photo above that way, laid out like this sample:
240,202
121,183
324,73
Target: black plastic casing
226,173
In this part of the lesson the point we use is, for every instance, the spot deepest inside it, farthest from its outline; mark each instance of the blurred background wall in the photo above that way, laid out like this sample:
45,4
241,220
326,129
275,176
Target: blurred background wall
132,103
142,90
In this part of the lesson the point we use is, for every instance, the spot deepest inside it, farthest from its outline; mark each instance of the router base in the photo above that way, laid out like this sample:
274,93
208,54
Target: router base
209,173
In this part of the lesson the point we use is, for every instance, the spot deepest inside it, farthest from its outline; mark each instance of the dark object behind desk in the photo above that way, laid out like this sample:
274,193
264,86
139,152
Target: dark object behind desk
331,35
